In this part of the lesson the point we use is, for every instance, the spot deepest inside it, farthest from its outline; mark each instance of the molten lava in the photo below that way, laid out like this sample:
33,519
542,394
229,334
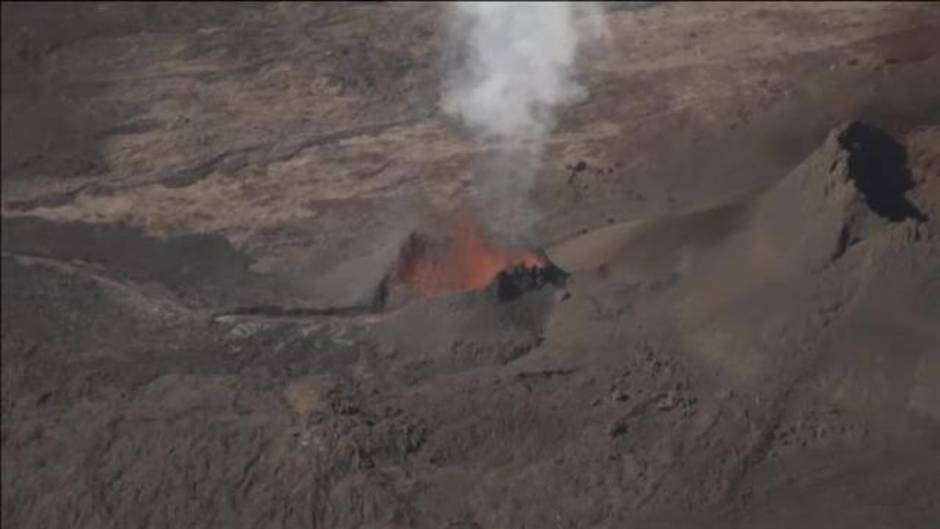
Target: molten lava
470,262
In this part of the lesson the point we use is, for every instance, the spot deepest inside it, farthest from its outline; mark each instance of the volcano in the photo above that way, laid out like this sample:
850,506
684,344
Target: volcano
248,283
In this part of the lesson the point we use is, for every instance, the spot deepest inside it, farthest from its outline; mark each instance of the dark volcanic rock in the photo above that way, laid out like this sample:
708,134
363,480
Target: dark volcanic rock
516,281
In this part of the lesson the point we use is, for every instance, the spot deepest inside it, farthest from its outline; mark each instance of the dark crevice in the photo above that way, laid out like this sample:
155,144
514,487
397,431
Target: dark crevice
846,240
878,166
545,373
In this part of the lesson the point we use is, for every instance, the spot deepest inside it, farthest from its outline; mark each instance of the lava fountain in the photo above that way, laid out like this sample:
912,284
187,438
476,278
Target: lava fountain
469,262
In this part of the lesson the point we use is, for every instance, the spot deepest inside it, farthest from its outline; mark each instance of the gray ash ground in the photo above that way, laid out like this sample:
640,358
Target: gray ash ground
201,202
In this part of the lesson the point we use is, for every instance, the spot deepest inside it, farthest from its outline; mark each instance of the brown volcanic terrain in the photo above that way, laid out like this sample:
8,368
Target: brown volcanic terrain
203,206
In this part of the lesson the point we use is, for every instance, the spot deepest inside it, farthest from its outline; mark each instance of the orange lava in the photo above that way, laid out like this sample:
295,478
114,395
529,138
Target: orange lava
471,262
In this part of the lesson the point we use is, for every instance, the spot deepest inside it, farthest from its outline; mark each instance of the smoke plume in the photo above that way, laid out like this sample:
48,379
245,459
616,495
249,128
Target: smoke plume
512,68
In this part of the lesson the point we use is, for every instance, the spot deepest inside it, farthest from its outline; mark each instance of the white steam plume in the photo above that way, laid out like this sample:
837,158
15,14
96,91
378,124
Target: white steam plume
515,68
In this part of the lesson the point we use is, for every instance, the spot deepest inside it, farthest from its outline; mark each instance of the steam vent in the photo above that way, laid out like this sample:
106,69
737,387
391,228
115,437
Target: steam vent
470,265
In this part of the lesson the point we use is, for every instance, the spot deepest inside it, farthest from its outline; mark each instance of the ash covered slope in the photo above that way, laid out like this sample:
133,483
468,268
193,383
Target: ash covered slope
706,391
725,362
